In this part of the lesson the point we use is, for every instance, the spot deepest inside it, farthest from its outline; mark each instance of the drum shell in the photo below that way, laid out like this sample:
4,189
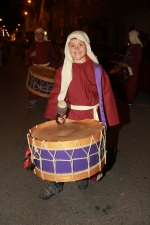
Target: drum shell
40,80
118,74
70,163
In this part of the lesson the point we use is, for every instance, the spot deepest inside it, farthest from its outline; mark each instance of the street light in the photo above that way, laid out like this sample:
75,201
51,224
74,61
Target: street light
32,15
0,19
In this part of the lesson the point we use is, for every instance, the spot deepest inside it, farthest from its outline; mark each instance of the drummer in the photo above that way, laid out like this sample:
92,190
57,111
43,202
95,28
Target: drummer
76,83
132,60
41,53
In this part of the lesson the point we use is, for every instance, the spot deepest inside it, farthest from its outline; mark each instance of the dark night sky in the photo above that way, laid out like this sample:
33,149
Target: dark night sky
11,11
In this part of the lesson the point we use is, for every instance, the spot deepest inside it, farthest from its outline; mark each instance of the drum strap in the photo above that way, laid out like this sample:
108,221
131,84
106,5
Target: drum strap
46,64
79,107
98,77
128,53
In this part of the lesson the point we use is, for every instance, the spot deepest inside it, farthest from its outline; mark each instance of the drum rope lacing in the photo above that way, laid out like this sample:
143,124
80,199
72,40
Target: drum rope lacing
38,83
101,153
39,87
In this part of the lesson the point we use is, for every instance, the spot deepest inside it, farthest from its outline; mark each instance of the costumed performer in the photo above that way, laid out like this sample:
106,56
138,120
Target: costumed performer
41,53
81,81
132,60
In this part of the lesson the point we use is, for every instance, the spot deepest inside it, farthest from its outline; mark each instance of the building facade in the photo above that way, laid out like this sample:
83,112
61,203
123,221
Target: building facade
103,20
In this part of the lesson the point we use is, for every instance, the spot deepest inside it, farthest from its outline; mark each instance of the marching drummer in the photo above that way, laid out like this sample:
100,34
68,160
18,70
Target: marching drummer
132,60
84,84
41,53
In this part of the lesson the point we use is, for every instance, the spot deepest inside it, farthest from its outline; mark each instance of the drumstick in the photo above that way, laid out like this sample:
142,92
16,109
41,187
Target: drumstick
113,61
62,108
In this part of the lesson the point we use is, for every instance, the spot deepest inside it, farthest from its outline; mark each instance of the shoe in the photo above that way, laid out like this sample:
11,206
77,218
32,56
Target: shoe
129,103
51,190
31,105
82,184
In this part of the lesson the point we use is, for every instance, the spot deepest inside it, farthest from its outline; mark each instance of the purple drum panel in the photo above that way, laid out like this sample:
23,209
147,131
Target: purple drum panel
68,161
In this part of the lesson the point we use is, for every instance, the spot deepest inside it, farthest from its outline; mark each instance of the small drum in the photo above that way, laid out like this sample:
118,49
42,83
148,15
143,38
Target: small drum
69,152
40,80
118,74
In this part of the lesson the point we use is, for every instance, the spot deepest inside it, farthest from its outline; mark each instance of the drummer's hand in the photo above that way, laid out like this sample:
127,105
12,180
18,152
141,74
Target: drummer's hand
60,119
34,53
122,64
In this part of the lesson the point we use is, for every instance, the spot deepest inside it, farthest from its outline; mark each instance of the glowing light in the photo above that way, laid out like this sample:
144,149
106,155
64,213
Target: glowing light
25,13
3,33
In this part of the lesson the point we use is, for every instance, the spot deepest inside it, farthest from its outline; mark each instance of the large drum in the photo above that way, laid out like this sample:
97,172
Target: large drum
40,80
118,74
69,152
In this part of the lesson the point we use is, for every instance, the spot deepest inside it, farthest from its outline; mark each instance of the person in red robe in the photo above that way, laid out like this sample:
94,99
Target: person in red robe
132,60
78,83
42,53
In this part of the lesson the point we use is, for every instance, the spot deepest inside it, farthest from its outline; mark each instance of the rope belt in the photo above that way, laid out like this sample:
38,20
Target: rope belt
79,107
130,70
46,64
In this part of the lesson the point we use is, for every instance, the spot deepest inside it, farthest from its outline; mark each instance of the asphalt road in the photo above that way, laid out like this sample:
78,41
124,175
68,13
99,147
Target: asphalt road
122,197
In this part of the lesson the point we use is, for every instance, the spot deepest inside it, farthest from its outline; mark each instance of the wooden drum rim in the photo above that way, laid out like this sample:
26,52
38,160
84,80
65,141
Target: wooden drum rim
118,70
42,77
68,177
43,144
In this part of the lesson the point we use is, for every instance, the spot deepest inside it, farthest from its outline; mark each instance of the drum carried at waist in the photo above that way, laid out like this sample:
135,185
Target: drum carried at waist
118,74
40,80
69,152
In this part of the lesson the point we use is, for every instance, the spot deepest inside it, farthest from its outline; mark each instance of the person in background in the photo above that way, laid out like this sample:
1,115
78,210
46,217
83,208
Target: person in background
82,82
29,43
132,60
23,46
42,53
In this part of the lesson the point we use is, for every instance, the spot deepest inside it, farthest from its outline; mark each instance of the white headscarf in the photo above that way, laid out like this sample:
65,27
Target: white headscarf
67,66
133,37
42,31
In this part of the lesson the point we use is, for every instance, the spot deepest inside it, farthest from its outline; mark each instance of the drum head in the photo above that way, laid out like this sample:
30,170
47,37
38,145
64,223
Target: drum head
116,70
43,72
71,130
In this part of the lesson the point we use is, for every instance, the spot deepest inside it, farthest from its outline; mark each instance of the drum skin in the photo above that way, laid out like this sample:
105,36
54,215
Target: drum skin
40,80
68,152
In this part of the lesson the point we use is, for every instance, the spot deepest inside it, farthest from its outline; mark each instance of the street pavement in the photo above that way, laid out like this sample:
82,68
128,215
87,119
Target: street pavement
122,197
